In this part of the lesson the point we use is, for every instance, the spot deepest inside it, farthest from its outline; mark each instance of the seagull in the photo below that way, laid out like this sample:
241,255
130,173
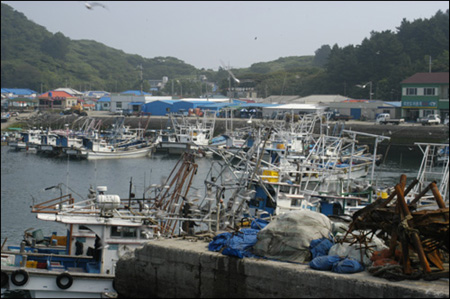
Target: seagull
256,37
91,5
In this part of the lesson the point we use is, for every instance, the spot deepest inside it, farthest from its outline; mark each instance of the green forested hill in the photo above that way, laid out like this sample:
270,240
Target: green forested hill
32,57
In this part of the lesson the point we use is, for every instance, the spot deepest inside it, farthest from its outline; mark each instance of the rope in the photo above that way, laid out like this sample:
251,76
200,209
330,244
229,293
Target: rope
393,273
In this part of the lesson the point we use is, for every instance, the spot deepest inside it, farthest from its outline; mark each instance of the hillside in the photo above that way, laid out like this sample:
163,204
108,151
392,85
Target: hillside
32,56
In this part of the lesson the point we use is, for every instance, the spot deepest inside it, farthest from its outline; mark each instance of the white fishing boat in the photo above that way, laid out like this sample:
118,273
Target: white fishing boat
187,133
82,263
102,150
100,230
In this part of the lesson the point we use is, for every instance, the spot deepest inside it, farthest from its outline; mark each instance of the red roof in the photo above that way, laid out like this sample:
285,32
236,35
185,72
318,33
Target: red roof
428,78
59,94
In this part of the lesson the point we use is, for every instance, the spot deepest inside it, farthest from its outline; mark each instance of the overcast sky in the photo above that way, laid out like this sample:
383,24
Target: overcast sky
239,33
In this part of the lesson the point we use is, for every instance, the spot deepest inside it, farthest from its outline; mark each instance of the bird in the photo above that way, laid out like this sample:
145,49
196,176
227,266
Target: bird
256,37
91,5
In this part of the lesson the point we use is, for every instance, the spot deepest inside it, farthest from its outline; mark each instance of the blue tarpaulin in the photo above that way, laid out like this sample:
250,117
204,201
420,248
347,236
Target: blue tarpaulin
324,262
238,244
347,266
320,247
235,244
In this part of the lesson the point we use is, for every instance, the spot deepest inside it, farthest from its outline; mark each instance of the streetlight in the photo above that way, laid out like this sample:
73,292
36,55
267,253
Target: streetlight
364,86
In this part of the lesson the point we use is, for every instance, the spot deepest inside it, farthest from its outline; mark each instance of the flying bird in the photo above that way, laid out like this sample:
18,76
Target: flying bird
91,5
256,37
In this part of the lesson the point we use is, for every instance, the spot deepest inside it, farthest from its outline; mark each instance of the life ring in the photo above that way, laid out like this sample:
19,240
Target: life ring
19,273
61,281
5,279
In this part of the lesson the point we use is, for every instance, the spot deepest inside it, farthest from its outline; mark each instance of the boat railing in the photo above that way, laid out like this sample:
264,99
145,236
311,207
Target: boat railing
54,207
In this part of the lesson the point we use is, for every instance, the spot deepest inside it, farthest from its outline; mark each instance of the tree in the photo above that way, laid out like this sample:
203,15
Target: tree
321,57
56,46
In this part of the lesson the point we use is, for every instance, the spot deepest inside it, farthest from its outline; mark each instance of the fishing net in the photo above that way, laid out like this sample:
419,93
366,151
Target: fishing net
287,237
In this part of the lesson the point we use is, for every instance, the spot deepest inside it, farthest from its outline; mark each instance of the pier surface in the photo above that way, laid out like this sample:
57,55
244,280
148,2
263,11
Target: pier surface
177,268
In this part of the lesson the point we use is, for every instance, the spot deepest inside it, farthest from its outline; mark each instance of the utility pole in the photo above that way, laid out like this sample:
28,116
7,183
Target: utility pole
429,65
140,67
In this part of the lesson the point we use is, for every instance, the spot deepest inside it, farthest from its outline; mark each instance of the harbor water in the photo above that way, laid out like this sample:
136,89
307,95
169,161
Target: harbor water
26,176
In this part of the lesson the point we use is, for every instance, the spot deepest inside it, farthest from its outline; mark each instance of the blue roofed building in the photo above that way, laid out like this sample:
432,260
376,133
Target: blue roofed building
103,104
18,93
136,93
158,107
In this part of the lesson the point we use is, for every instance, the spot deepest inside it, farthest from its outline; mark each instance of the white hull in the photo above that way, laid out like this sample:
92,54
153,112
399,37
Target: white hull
43,284
134,153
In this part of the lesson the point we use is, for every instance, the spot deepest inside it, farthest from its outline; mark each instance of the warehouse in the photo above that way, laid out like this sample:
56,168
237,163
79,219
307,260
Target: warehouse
158,107
270,111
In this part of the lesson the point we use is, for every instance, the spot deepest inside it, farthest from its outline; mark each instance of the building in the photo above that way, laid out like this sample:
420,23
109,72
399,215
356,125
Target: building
424,94
132,101
71,91
280,99
270,111
321,99
18,93
104,104
364,109
157,85
56,100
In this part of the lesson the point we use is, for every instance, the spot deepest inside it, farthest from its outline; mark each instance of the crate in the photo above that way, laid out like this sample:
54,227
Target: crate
270,176
60,240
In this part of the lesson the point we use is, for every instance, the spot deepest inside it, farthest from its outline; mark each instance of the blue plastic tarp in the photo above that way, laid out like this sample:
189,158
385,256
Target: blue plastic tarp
325,262
238,244
259,223
235,244
347,266
320,247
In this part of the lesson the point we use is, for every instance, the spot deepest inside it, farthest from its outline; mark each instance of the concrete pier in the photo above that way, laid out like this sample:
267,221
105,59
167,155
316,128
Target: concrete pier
177,268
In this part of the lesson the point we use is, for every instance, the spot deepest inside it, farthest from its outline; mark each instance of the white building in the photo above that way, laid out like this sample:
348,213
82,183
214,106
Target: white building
292,109
130,101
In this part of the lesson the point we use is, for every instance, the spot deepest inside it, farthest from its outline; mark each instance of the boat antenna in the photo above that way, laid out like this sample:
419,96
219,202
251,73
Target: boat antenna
67,173
129,192
95,173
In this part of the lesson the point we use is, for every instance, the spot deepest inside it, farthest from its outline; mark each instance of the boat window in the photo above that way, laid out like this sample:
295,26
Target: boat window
124,232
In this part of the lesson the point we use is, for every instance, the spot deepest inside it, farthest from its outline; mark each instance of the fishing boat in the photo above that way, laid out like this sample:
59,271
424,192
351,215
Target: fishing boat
100,149
82,263
332,176
101,228
186,133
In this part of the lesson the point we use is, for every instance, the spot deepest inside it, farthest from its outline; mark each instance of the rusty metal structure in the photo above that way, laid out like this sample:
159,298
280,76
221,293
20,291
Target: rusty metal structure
171,196
416,230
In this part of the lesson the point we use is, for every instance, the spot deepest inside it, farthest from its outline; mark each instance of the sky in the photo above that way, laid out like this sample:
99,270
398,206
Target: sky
238,34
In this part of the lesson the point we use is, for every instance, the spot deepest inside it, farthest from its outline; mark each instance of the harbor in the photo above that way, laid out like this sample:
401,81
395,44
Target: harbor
215,193
230,157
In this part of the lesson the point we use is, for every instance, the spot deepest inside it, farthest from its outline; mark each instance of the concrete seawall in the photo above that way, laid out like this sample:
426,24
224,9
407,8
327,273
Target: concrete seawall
177,268
404,134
